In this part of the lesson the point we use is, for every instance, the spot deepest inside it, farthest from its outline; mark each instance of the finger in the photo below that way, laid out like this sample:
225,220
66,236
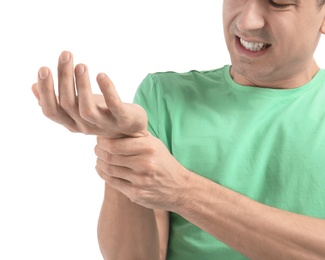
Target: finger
88,109
123,186
48,100
100,101
111,96
47,96
101,173
102,154
119,146
124,146
67,93
35,91
120,172
104,176
116,160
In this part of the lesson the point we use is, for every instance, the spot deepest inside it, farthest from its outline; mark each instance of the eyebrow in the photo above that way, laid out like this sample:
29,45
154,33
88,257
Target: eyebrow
295,1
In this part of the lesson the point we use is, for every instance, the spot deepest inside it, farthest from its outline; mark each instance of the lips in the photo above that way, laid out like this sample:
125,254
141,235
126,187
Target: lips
254,46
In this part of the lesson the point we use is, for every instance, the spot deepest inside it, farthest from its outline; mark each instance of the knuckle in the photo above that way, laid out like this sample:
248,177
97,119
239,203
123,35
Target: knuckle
102,166
150,165
108,157
152,150
140,196
86,129
134,200
64,72
136,196
72,129
101,173
112,147
87,114
147,181
97,150
104,156
98,163
67,104
110,180
50,113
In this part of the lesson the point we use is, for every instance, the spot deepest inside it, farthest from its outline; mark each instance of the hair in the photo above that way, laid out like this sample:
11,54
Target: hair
321,3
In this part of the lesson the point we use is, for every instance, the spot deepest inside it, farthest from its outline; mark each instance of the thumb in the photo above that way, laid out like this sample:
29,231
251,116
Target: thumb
35,91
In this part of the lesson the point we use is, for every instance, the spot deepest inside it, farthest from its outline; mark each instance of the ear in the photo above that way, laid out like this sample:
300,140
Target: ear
322,28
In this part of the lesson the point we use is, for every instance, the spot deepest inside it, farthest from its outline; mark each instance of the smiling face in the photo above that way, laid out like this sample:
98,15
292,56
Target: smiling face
272,43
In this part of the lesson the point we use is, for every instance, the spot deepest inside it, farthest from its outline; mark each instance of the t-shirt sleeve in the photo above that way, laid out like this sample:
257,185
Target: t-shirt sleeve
146,96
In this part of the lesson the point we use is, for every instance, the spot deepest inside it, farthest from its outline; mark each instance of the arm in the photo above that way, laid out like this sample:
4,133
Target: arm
144,236
254,229
145,171
125,229
162,219
78,110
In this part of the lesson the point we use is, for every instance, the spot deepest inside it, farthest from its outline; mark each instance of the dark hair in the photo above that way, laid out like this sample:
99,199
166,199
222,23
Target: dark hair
321,3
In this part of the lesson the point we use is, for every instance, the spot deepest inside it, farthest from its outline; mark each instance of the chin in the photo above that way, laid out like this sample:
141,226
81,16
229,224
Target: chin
246,74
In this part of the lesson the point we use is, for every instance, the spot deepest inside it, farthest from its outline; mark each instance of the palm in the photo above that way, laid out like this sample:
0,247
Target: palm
79,110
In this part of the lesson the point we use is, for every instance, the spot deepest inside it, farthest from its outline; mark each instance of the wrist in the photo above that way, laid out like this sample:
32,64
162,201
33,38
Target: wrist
183,193
114,196
194,194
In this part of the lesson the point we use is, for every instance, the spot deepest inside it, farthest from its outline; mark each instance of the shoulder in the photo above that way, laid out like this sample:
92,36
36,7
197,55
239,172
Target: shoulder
171,79
173,87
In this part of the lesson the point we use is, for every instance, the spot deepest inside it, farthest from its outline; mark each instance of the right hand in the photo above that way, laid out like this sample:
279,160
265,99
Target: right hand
77,109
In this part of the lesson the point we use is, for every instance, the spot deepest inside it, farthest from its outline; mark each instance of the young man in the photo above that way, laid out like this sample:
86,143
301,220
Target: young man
232,166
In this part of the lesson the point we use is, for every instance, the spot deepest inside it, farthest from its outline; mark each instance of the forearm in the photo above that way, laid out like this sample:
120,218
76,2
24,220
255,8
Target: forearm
255,230
125,229
162,218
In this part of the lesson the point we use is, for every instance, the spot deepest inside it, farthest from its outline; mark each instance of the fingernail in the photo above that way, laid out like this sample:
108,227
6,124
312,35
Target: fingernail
80,69
101,76
65,57
43,73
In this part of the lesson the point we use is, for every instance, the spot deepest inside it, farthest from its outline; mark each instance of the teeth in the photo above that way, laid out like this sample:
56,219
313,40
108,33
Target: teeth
254,46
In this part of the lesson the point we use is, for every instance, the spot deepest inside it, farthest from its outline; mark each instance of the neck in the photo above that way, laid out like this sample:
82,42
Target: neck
276,80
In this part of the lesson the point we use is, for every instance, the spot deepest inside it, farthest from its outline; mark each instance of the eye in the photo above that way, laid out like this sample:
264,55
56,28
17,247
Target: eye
277,5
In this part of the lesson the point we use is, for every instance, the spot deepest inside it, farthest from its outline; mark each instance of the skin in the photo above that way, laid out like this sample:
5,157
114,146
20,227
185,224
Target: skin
289,62
140,174
77,109
255,230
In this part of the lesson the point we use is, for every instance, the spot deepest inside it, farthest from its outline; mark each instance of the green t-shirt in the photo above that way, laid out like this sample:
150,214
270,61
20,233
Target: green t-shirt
268,144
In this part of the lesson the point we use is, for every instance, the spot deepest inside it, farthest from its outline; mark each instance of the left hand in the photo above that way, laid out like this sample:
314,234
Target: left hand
77,109
143,169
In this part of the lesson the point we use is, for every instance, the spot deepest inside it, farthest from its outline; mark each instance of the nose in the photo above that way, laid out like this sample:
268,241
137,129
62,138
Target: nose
252,17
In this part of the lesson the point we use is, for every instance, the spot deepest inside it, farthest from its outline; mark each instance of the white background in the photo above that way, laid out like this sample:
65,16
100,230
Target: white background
50,194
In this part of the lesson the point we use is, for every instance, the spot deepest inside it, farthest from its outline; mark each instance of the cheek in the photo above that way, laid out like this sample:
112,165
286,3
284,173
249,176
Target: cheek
299,36
303,46
231,10
229,29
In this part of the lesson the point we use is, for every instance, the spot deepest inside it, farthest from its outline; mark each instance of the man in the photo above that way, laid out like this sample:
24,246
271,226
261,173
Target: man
233,164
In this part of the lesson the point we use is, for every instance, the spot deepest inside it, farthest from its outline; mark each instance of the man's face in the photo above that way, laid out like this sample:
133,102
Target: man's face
271,43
